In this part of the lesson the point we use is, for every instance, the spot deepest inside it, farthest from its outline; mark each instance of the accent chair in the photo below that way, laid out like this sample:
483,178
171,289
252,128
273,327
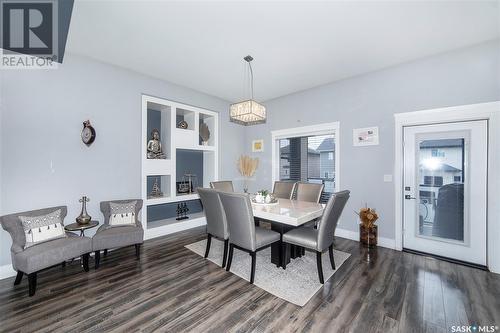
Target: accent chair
110,237
30,259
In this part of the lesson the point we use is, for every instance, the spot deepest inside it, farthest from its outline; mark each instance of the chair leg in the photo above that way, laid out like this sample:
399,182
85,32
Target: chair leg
320,267
32,283
230,257
224,256
19,277
63,264
105,252
209,241
85,261
97,259
332,260
252,274
138,251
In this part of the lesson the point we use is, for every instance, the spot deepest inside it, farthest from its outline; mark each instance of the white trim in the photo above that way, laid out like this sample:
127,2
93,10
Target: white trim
490,111
173,228
6,271
320,129
354,235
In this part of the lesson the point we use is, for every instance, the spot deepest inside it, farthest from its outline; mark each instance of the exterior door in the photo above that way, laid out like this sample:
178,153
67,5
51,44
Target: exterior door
445,190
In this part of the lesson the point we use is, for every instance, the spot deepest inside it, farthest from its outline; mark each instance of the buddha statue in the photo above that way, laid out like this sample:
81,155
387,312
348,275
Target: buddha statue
154,146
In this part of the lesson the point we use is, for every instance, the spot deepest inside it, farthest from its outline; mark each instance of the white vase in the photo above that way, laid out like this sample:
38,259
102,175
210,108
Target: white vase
259,198
268,198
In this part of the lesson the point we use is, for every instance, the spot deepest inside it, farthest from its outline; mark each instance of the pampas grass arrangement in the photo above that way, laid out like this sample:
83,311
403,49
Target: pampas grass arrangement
247,167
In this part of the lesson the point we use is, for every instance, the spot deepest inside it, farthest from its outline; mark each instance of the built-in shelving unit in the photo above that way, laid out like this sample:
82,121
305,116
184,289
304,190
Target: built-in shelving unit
186,154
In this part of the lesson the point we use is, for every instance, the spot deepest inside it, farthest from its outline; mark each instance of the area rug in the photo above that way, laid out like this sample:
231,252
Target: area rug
296,284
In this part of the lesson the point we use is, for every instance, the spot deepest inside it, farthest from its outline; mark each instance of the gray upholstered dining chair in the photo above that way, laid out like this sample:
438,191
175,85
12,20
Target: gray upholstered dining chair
283,189
242,232
308,191
30,259
223,185
322,238
110,237
216,219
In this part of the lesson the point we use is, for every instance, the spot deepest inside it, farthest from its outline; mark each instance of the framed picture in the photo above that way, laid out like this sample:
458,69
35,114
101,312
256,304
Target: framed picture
365,136
258,146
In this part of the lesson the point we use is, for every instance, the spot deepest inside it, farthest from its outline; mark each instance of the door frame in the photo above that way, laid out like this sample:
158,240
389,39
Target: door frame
482,111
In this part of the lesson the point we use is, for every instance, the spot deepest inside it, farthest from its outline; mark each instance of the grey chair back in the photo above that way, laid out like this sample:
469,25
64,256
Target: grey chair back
13,225
223,185
106,210
308,191
214,212
283,189
239,219
330,218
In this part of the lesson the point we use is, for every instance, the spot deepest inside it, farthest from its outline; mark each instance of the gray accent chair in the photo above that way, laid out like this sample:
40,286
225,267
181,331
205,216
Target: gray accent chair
223,185
283,189
216,219
107,237
35,258
322,238
242,232
308,191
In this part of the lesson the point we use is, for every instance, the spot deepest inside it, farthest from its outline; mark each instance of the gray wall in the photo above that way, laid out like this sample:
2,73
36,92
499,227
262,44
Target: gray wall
44,162
464,76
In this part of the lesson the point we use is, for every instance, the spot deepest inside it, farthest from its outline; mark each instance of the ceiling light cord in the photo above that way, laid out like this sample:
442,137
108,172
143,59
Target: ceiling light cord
251,78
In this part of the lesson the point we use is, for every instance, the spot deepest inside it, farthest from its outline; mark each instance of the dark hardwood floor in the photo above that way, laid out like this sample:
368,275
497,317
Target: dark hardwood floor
172,289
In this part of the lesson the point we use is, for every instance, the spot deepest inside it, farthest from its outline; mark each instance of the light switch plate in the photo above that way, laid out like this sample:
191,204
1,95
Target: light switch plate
387,178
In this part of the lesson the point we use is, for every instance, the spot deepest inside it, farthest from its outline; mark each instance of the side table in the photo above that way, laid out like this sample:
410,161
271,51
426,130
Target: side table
81,227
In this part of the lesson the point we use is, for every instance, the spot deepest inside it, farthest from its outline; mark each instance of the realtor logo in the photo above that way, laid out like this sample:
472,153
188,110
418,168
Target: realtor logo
29,34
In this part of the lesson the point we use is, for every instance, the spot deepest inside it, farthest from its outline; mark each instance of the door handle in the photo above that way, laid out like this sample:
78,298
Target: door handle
409,197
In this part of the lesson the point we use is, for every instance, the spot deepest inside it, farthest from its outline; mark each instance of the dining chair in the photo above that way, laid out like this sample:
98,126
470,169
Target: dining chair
322,238
283,189
308,191
223,185
242,232
216,219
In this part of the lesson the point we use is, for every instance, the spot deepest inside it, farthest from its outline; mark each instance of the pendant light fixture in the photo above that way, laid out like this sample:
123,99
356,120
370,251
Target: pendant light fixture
248,112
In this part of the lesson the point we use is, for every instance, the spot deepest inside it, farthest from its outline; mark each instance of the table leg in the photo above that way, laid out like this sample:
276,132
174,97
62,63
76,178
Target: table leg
275,247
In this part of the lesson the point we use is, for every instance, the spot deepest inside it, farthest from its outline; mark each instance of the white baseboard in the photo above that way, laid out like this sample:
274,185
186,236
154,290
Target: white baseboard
175,227
354,235
7,271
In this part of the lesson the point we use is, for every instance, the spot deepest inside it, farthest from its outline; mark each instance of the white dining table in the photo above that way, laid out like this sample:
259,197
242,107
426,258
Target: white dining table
284,216
290,212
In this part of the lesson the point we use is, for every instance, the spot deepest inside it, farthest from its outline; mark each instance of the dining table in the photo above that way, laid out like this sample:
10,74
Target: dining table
283,216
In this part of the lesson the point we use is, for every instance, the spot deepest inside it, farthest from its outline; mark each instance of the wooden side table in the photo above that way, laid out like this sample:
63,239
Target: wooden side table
81,227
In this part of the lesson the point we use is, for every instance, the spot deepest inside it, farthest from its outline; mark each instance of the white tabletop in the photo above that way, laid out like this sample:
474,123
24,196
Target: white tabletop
291,212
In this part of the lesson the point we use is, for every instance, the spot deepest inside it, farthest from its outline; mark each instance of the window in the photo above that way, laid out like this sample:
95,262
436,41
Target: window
309,157
437,153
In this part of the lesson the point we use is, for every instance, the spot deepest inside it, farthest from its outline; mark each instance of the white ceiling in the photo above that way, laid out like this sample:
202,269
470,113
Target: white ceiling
296,45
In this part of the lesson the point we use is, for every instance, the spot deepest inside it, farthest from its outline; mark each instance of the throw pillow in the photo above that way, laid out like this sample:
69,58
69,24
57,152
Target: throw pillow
39,229
122,214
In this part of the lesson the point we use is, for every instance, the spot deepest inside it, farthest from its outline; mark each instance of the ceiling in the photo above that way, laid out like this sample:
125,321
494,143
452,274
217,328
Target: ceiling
296,45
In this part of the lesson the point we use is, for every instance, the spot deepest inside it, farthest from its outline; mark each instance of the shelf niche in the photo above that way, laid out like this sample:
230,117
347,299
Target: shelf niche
164,214
210,122
163,182
158,117
187,116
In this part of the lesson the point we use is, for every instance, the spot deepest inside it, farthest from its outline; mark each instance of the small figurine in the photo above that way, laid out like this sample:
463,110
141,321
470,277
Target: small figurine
154,146
181,211
156,191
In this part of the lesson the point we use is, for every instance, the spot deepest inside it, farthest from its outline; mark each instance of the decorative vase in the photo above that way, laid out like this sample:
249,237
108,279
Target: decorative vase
368,235
84,218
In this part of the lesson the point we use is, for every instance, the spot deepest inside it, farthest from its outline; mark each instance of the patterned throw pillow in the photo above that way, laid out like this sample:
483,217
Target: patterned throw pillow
122,214
39,229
